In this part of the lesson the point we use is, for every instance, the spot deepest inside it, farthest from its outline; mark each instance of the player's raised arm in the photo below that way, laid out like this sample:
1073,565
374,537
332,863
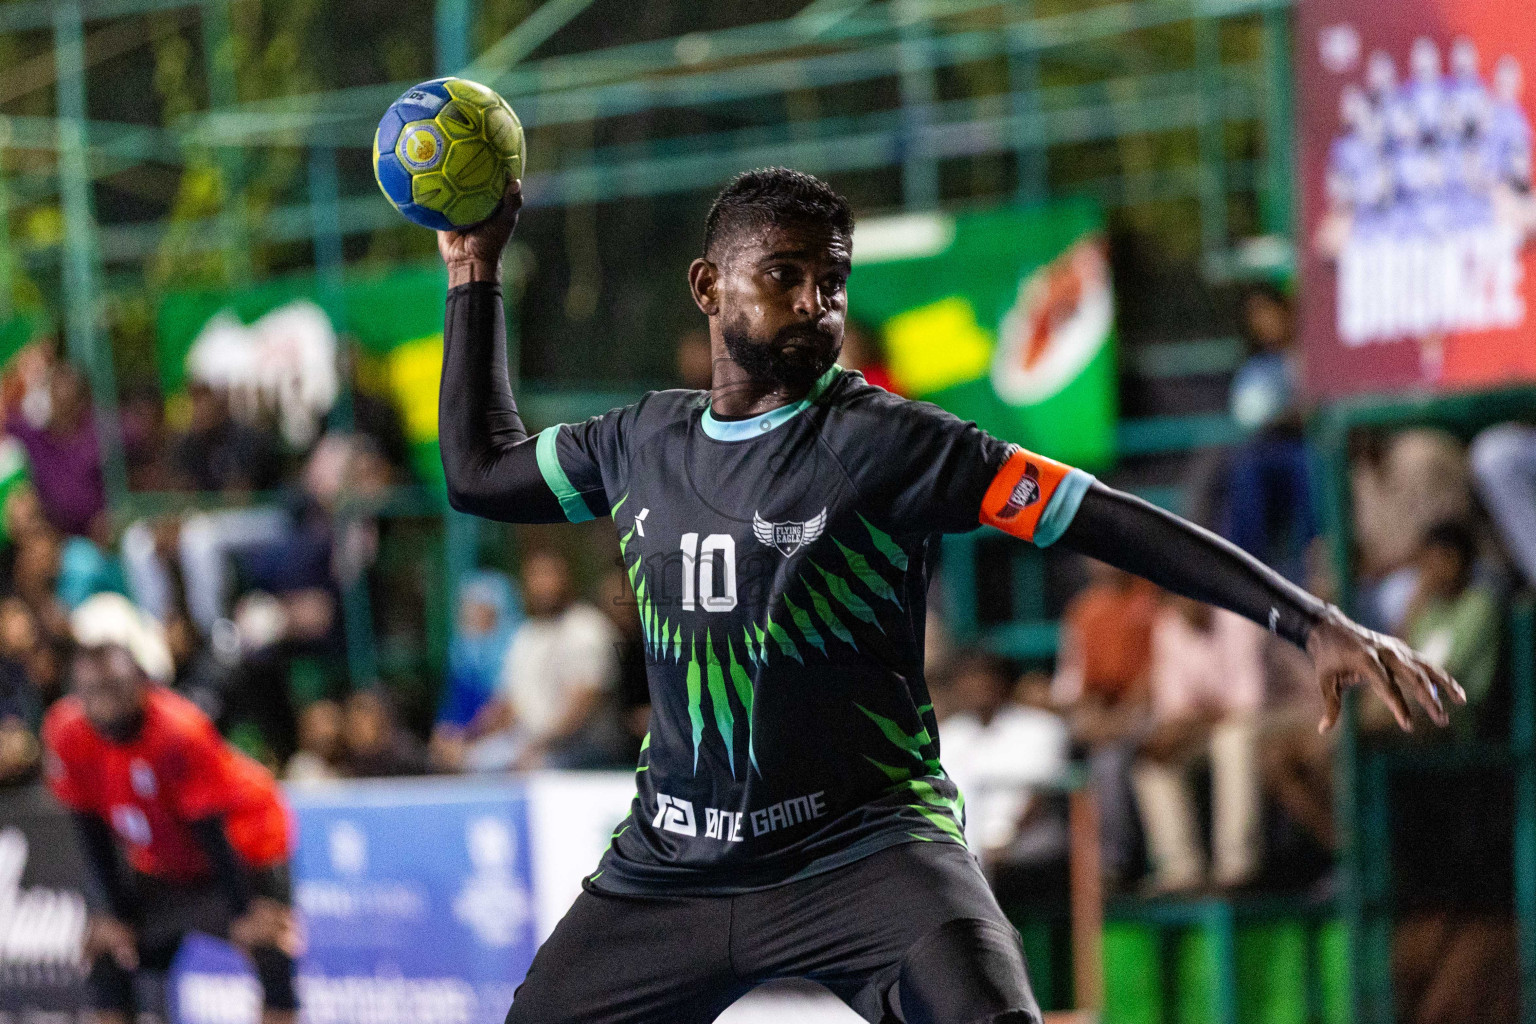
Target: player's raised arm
490,462
1140,538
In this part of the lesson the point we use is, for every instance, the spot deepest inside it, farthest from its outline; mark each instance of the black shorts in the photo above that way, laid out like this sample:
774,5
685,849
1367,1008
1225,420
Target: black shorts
911,934
167,912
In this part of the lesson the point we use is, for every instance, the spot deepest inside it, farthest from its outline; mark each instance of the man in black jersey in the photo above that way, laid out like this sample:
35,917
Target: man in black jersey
793,818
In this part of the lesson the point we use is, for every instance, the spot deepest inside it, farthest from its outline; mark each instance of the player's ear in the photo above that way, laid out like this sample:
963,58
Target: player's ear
704,282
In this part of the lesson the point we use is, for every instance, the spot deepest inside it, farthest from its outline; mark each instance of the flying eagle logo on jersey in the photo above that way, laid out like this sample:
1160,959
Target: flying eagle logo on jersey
1025,493
788,537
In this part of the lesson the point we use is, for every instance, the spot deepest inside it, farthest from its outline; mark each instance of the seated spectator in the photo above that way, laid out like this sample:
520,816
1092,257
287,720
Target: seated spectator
488,615
1101,686
34,554
997,750
1296,761
221,455
288,600
1402,485
169,565
87,568
21,706
1504,467
1453,620
282,550
26,650
371,413
24,520
320,754
374,745
1269,494
218,454
63,451
554,707
141,416
1207,689
18,750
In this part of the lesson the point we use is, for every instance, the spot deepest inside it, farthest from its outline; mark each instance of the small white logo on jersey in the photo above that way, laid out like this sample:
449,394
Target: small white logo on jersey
674,815
788,537
143,778
640,521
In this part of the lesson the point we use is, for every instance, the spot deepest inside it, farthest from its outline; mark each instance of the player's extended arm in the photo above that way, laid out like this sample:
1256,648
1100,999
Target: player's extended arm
490,462
1140,538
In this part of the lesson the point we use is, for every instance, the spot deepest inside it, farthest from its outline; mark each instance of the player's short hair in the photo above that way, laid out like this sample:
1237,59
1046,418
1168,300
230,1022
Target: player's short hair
767,196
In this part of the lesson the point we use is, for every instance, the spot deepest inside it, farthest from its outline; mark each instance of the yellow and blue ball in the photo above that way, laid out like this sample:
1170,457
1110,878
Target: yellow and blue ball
445,151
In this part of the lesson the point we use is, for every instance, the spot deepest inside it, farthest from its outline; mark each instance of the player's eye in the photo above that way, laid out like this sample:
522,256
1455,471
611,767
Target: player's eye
783,275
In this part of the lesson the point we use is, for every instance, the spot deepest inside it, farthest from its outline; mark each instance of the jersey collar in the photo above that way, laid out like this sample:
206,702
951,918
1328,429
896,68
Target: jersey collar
745,430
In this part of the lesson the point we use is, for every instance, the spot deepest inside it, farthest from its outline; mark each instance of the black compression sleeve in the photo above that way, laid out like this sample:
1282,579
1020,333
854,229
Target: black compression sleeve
229,870
1142,539
101,861
490,462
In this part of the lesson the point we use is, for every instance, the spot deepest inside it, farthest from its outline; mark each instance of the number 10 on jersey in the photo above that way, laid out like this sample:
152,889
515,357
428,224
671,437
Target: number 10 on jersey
700,565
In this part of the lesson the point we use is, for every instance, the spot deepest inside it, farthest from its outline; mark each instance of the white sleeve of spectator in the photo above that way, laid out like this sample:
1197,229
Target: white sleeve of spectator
588,659
506,679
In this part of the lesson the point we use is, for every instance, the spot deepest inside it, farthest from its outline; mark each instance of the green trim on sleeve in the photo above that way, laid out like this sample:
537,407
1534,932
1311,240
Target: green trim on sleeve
1063,508
571,502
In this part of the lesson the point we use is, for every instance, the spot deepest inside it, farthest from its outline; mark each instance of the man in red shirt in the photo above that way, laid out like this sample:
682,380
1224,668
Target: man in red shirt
1101,685
202,830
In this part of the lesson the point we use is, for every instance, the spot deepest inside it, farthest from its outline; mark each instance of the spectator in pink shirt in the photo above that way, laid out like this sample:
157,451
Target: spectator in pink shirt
1207,689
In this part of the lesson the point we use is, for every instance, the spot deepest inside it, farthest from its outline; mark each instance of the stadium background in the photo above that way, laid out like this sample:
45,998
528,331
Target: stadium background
162,161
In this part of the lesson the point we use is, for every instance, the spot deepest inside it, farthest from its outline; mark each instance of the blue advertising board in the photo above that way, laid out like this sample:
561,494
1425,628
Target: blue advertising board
418,902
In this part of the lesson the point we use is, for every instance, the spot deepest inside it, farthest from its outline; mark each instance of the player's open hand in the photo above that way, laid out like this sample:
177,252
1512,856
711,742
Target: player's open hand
267,923
1347,654
110,936
474,254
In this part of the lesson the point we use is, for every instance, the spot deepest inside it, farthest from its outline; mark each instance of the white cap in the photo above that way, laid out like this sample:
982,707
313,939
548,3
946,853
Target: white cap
112,619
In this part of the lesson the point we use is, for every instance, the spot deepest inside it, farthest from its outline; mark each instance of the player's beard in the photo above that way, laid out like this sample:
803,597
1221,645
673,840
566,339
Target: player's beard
771,365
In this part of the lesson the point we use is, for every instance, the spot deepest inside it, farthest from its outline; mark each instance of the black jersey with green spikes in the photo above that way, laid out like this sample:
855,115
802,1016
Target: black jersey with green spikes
780,566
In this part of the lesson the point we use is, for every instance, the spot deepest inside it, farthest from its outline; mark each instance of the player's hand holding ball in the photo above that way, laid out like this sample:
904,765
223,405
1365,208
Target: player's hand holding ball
474,254
449,154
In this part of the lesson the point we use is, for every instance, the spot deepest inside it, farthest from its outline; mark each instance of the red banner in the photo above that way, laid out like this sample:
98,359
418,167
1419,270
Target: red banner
1418,243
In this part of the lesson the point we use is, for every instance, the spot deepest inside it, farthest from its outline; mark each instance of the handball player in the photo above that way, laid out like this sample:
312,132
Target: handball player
793,817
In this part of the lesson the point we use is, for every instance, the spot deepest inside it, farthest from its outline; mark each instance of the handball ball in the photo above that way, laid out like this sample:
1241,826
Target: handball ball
445,151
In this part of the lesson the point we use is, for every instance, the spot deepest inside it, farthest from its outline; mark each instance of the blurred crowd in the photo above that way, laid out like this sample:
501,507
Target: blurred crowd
1195,730
246,558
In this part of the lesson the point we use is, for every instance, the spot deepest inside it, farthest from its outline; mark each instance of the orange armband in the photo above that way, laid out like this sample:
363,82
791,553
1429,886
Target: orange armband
1034,498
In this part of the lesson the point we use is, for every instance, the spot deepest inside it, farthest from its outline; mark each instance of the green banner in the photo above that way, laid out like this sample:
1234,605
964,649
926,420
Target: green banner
21,329
1004,317
396,318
